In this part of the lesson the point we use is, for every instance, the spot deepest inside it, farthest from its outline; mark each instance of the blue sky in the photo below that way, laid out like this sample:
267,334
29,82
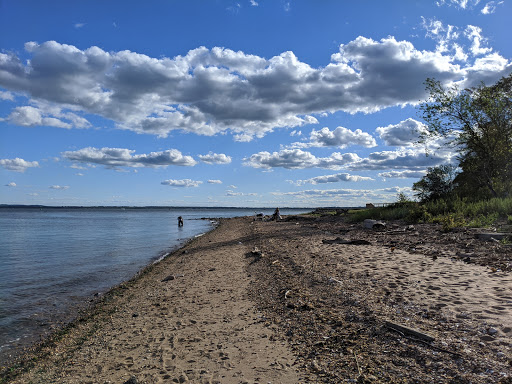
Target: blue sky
231,103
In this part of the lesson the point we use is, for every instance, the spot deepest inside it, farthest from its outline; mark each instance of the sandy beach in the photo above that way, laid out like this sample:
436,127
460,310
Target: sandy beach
298,301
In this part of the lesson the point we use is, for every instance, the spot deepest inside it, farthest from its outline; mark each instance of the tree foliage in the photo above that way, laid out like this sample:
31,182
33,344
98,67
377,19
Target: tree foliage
437,183
479,122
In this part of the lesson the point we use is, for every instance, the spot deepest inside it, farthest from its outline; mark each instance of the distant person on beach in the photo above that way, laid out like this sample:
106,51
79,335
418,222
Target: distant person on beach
180,221
276,215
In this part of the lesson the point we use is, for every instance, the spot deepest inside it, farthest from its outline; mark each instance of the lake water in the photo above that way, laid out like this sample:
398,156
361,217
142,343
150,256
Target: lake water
52,261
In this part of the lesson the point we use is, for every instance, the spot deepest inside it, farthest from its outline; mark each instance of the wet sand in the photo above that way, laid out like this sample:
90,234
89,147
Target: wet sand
260,302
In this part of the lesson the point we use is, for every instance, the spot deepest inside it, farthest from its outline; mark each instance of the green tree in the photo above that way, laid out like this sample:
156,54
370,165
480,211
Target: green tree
437,183
479,122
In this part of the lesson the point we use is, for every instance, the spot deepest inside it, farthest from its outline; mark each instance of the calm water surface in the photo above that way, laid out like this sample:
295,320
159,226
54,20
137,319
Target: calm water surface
54,260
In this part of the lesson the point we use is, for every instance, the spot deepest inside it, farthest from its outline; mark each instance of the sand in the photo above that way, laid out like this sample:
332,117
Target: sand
271,302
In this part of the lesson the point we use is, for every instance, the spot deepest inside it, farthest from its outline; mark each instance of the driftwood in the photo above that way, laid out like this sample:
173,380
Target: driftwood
492,236
339,240
419,337
409,331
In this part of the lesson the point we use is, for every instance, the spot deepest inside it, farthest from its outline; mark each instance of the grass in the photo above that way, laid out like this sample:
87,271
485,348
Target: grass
451,213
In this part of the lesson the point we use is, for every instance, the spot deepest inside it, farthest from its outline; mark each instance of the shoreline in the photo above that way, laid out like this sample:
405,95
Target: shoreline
273,301
81,308
44,360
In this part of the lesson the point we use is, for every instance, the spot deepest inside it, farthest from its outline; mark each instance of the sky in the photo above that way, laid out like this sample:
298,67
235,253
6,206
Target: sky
248,103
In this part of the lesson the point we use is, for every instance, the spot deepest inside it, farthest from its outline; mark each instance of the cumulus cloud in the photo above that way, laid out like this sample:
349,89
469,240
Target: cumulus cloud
59,187
29,116
404,133
402,174
215,158
298,159
340,177
214,182
211,91
340,137
11,184
405,158
185,183
17,164
122,157
411,159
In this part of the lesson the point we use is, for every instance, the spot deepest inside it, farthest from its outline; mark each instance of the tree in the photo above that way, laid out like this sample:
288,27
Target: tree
479,121
437,183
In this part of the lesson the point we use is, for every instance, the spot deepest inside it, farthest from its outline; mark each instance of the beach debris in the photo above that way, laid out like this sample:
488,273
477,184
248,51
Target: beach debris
256,253
131,380
410,331
287,293
357,363
374,224
339,240
172,277
491,236
333,280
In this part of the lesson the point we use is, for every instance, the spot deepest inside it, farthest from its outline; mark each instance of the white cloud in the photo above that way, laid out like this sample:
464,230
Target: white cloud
404,133
214,182
233,193
298,159
474,34
6,96
463,4
340,177
79,25
405,158
186,183
17,164
446,37
340,137
29,116
490,7
121,157
254,3
344,197
211,91
402,174
215,158
76,166
11,184
59,187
